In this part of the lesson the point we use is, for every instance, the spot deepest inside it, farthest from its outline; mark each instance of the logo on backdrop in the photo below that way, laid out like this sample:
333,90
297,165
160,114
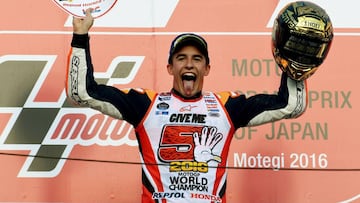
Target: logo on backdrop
50,130
128,13
78,7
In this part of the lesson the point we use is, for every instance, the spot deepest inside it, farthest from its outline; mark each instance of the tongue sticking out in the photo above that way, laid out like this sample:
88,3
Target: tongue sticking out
188,85
188,82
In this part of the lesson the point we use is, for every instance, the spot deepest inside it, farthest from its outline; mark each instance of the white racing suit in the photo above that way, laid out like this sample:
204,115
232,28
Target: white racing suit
183,143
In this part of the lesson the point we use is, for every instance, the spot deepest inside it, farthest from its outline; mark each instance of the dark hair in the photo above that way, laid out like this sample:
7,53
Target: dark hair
189,39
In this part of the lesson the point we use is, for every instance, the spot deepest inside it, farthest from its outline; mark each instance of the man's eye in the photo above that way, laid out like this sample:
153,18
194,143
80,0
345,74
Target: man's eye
180,58
197,58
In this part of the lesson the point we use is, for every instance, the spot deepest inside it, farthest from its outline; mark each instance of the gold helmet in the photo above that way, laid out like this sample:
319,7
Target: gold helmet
301,38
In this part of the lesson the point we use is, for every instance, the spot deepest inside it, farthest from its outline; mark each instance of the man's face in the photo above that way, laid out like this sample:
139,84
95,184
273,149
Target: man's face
188,69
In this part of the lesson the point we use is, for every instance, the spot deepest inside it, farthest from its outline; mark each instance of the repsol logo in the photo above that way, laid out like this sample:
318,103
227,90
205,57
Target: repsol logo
187,118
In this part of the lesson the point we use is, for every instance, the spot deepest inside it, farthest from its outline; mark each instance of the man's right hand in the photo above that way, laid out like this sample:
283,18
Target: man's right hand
83,25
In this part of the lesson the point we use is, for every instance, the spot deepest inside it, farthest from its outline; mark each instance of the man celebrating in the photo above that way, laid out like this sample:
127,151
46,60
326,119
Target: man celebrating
184,135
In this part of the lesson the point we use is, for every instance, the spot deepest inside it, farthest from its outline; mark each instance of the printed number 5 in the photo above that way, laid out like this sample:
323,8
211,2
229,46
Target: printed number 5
177,144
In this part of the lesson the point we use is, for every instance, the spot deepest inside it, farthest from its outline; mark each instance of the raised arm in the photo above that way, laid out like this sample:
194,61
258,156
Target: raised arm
289,102
83,90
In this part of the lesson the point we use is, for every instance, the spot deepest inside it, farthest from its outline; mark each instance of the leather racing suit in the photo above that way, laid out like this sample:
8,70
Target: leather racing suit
186,141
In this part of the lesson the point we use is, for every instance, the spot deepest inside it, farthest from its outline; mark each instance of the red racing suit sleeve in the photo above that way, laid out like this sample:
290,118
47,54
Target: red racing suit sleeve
289,102
126,104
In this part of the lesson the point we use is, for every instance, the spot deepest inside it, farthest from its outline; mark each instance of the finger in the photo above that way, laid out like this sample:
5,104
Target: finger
216,140
88,16
88,12
216,158
196,139
204,135
75,20
210,137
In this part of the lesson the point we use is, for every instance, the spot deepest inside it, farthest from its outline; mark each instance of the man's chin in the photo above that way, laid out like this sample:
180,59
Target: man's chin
188,94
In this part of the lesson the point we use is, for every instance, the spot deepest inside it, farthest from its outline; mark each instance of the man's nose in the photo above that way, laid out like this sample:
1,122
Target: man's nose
189,64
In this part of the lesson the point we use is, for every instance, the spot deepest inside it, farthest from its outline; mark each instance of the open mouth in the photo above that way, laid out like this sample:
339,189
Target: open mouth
188,77
188,80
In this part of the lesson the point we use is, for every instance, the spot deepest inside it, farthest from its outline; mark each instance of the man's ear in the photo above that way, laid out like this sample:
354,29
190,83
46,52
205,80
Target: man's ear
207,70
170,69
